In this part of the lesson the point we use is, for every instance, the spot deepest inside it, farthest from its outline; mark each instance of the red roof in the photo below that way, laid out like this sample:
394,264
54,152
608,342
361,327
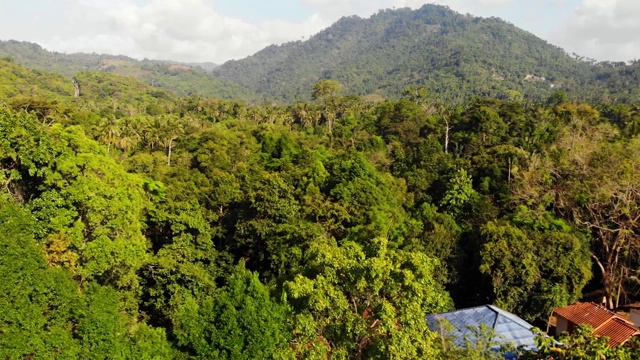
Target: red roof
604,322
585,314
617,330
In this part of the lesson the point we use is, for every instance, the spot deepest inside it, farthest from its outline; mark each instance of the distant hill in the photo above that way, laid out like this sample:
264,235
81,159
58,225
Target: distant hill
453,55
30,89
185,79
206,66
18,81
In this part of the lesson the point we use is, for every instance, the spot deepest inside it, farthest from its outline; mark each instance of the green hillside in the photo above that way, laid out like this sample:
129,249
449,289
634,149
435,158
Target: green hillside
184,79
456,56
52,96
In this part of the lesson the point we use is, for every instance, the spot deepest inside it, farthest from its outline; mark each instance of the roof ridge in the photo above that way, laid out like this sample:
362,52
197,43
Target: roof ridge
468,308
624,322
601,307
590,303
517,320
495,321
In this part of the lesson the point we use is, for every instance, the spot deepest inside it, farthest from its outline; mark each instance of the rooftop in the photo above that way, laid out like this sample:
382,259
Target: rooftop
508,327
604,322
617,330
585,314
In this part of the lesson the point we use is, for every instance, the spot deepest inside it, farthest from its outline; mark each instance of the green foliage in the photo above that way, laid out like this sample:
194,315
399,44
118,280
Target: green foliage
17,81
46,315
184,79
416,95
402,121
459,193
239,321
365,301
325,89
534,265
125,211
435,234
481,343
581,344
29,290
92,200
588,178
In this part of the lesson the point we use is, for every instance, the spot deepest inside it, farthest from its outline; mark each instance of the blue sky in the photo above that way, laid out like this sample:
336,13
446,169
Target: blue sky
219,30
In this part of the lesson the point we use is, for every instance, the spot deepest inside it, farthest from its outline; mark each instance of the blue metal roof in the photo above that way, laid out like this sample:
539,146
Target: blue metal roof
508,327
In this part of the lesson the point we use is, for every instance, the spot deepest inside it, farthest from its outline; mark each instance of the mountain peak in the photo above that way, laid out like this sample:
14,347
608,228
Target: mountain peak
454,55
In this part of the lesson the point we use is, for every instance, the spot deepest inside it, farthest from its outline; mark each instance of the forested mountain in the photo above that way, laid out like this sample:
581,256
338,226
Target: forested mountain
455,56
452,55
184,79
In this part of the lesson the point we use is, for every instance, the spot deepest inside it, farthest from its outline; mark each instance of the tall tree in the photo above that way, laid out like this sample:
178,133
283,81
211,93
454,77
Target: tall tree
592,179
369,301
326,91
239,321
534,263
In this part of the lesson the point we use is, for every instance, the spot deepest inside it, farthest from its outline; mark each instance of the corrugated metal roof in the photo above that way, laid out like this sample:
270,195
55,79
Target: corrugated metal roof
585,314
508,327
617,330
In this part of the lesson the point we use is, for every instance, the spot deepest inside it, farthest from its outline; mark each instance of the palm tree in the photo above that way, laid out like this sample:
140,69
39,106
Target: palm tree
109,131
154,132
633,124
129,137
171,128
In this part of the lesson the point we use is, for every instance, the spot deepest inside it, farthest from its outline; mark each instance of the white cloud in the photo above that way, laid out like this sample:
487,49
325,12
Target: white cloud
603,29
185,30
195,30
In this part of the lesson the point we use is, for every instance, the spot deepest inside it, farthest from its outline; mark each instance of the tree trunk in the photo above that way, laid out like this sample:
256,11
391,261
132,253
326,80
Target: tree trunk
169,151
446,136
606,282
76,85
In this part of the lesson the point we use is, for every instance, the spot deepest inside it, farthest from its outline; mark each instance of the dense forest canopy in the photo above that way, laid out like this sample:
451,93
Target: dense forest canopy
165,227
137,222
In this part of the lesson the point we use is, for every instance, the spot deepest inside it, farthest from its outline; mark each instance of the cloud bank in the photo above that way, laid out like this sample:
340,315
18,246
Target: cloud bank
184,30
603,29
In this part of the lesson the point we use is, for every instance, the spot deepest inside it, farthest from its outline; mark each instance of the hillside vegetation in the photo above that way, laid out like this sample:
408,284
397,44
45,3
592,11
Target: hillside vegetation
135,223
455,56
184,79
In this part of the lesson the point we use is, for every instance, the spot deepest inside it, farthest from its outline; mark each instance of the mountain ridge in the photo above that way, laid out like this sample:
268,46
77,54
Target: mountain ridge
393,49
454,56
183,78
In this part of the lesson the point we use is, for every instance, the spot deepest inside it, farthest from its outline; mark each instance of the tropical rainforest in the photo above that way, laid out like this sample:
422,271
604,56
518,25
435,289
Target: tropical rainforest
142,222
